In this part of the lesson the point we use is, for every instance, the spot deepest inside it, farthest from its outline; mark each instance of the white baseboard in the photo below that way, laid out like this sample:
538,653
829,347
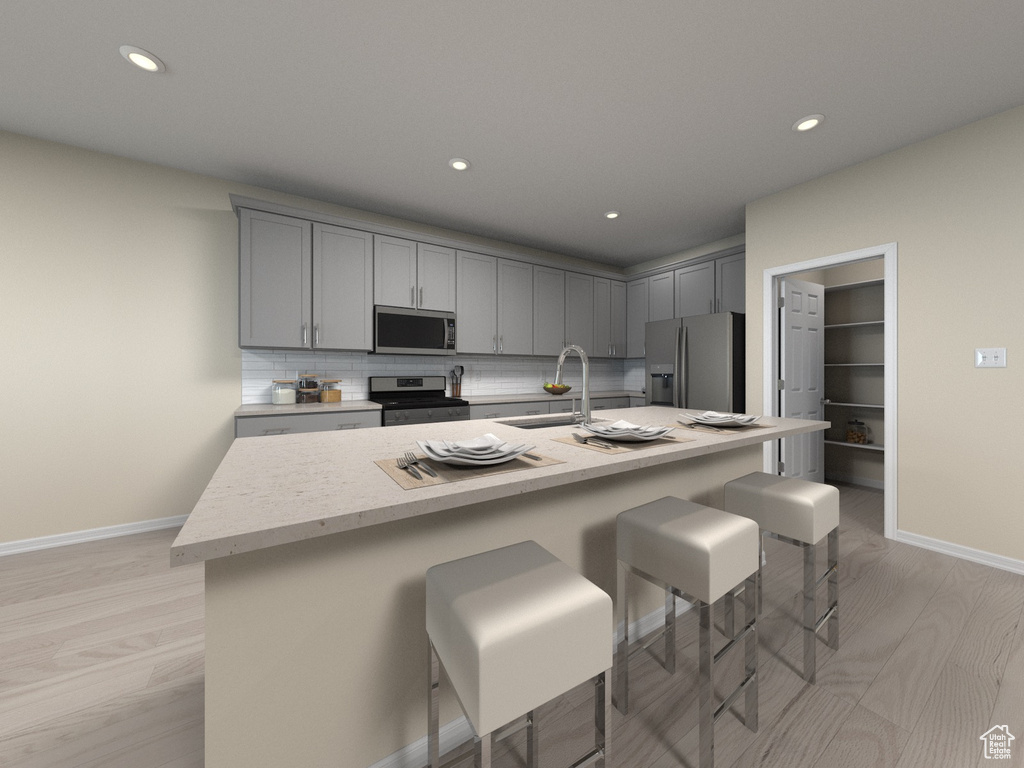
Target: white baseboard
965,553
77,537
459,731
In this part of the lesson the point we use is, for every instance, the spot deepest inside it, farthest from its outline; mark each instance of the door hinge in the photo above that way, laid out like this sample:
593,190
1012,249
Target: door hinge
781,385
782,467
782,302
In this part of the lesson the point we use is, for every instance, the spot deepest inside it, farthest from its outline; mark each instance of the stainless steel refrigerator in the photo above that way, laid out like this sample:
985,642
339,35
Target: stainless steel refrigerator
696,362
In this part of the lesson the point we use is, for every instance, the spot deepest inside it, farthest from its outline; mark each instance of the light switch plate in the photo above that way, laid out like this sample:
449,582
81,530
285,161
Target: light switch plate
990,357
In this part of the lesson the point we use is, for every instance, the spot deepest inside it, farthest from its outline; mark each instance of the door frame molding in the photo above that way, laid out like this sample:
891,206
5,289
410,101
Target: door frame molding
771,348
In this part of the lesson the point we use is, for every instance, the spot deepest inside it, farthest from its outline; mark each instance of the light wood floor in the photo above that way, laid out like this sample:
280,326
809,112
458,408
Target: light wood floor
101,664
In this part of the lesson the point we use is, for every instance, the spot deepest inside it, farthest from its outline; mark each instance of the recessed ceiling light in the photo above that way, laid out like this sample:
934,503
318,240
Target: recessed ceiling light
142,59
807,123
612,215
459,164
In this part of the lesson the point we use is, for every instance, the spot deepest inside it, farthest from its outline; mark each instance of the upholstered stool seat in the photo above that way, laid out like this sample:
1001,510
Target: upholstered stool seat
699,554
801,513
514,628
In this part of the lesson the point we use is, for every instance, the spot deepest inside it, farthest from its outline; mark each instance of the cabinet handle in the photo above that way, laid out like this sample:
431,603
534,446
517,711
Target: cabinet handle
348,426
501,344
494,344
316,335
303,334
532,413
421,296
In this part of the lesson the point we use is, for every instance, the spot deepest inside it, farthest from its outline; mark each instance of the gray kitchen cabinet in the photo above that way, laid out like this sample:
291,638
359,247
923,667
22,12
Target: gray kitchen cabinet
609,318
637,315
695,289
303,285
476,300
608,403
342,288
495,305
294,423
413,275
275,296
661,296
506,410
730,283
548,310
515,307
579,311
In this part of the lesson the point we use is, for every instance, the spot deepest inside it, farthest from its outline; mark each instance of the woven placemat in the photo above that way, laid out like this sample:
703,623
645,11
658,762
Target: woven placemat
451,473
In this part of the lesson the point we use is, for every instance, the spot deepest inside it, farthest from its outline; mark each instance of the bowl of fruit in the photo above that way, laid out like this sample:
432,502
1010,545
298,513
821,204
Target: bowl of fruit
556,389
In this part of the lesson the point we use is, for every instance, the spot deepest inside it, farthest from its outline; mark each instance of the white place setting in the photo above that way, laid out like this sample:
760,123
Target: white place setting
480,451
625,432
716,419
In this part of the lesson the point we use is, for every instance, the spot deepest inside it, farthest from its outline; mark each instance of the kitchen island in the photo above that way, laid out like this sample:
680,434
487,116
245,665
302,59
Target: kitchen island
315,560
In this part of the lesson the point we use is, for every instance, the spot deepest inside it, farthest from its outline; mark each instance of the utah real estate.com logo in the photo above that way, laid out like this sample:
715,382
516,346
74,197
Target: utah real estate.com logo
997,742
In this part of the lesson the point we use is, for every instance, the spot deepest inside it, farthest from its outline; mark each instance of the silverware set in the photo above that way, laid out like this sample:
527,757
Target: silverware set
592,441
409,462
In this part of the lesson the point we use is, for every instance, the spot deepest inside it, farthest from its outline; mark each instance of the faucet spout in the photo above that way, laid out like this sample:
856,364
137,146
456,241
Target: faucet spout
585,406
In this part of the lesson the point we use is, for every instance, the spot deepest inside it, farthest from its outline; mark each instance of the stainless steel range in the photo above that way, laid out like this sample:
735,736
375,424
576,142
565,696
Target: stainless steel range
415,400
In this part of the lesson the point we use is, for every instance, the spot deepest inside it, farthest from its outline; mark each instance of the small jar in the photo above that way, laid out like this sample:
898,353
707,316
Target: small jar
856,432
308,381
283,392
308,395
330,391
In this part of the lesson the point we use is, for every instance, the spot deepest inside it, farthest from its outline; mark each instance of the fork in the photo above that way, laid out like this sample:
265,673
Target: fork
411,459
404,464
599,443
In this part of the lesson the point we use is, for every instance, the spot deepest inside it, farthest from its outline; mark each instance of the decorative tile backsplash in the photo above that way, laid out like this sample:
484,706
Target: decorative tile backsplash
484,375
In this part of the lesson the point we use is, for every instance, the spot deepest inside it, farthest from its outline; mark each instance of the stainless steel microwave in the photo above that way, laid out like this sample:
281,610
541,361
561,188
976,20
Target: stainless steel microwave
403,331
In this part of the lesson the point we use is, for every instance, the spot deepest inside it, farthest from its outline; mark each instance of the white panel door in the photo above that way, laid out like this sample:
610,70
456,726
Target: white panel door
803,373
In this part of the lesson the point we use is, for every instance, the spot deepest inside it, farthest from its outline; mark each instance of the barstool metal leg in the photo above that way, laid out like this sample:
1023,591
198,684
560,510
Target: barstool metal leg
621,681
750,650
483,752
433,693
670,632
705,688
602,717
810,615
833,588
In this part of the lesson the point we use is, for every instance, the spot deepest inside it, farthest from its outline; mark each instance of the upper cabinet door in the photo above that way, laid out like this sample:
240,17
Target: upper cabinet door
618,318
730,284
548,311
636,317
602,318
661,296
695,290
342,288
579,311
435,277
475,313
515,307
275,281
394,272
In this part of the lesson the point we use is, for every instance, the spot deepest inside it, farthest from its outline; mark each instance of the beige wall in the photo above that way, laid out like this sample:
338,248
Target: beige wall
953,206
118,314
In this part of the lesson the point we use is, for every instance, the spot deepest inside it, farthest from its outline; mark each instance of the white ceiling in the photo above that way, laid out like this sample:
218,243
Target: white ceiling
675,112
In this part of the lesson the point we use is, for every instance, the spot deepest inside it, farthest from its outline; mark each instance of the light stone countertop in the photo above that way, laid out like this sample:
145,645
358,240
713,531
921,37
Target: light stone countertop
271,491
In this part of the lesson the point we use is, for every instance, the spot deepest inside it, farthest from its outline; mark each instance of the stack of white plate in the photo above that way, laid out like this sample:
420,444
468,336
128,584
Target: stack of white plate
624,432
716,419
479,451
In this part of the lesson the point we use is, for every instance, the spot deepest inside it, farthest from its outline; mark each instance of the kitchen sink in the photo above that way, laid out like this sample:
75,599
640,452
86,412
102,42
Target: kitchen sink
544,422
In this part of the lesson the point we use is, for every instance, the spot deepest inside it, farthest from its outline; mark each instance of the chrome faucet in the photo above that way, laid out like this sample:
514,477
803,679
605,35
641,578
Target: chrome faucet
585,415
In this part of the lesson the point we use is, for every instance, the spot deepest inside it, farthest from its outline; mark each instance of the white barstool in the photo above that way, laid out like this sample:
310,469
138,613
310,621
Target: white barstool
699,554
514,628
801,513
